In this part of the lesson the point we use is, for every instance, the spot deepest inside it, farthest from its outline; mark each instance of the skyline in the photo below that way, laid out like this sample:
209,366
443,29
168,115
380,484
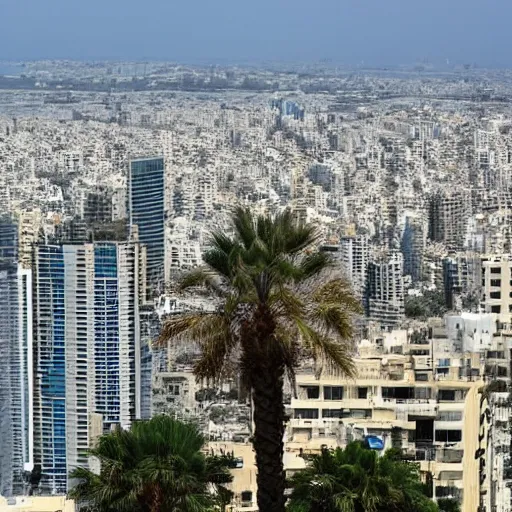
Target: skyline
393,33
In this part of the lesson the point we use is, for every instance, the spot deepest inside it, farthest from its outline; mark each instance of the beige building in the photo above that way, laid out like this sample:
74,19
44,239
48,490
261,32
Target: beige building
37,504
418,391
244,485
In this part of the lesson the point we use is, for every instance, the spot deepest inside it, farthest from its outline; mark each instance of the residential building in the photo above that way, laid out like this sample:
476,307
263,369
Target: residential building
418,390
497,285
355,256
37,504
384,293
87,346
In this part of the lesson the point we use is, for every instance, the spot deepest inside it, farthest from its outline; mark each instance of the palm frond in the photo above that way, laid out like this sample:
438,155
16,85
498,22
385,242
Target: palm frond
219,261
315,263
244,224
178,326
337,290
202,277
334,356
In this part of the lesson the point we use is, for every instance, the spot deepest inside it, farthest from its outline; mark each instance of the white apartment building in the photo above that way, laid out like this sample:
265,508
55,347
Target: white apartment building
497,285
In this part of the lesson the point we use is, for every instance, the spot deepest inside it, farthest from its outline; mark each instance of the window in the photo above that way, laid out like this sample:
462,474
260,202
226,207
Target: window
398,393
502,371
443,362
332,413
421,377
446,395
333,393
449,436
246,496
495,354
312,392
496,309
449,416
496,270
361,413
306,414
496,282
495,295
362,393
422,393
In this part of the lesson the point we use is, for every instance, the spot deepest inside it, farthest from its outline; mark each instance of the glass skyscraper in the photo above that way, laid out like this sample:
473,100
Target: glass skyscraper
147,212
15,364
88,351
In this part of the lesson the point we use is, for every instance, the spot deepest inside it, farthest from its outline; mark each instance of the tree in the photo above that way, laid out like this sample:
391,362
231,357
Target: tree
430,304
156,466
280,299
357,479
448,505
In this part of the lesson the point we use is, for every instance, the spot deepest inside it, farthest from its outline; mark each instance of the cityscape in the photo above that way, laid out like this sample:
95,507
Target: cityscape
115,174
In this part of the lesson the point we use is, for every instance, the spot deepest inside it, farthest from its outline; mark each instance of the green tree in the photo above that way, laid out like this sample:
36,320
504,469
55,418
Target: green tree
156,466
280,300
448,505
430,304
357,479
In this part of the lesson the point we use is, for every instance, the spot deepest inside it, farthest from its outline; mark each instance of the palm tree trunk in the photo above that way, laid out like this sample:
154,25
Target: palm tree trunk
269,423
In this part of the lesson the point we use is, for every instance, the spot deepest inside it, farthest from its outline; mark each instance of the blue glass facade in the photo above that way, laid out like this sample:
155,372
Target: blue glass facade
146,206
87,345
52,365
288,108
106,334
11,453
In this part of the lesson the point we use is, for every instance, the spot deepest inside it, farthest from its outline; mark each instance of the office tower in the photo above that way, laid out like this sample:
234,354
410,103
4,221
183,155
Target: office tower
87,339
385,290
15,364
355,255
147,212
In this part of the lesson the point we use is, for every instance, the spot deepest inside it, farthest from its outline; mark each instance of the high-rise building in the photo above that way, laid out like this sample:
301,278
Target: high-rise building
355,255
16,441
147,212
448,219
412,245
87,340
385,290
461,280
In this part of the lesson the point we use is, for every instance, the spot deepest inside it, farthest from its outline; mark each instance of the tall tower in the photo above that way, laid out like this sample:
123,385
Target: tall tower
147,212
16,441
412,245
87,339
385,300
355,255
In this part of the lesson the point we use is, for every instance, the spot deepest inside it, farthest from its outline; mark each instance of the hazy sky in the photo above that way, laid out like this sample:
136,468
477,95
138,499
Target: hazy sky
347,31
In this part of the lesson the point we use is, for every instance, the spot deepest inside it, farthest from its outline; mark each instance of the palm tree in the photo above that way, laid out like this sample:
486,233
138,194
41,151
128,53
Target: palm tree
357,479
279,300
156,466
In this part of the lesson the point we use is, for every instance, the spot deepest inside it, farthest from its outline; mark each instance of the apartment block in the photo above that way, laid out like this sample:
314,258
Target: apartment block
416,389
497,285
87,350
384,293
